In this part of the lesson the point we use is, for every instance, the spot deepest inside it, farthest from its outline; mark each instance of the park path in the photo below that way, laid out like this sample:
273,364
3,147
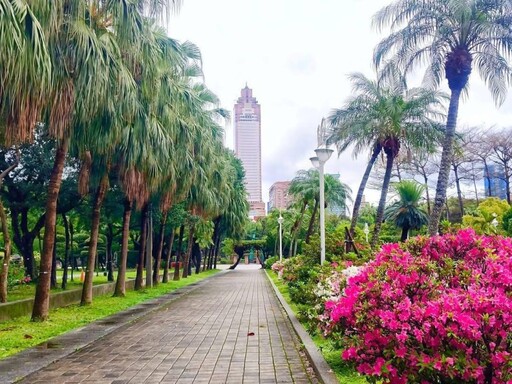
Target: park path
230,330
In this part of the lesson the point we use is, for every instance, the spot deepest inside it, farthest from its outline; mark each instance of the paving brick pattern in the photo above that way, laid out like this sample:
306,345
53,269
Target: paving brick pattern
231,330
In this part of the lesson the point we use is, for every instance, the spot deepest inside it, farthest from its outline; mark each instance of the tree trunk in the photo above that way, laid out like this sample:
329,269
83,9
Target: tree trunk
446,159
240,253
427,192
474,183
447,209
156,267
7,239
405,233
120,290
142,250
488,177
178,254
42,298
165,277
71,236
186,259
7,255
66,252
382,201
296,226
93,243
24,238
53,279
110,264
507,184
312,222
459,192
362,186
216,251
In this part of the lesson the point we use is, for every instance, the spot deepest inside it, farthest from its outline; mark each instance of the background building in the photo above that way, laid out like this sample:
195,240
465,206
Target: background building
496,180
278,195
247,135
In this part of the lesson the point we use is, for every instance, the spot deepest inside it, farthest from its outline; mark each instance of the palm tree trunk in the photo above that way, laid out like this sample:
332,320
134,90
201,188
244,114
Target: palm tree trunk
7,255
142,250
165,277
444,167
93,244
120,290
156,268
405,233
42,297
178,254
360,192
296,226
186,259
382,201
66,252
312,222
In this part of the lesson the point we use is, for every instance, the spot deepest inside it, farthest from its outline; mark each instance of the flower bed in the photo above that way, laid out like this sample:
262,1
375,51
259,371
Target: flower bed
435,310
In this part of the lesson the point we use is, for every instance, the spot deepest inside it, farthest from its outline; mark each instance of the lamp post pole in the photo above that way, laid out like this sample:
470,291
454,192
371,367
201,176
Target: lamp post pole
280,221
322,155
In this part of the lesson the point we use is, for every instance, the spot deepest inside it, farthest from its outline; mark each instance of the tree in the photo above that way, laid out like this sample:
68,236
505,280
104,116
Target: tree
406,213
451,36
306,187
384,115
501,144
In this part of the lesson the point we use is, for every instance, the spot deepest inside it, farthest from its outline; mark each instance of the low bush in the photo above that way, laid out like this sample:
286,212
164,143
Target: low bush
433,310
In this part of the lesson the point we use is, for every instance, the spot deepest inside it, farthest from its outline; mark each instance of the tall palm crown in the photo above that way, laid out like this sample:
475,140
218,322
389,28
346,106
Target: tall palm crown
450,36
406,213
384,115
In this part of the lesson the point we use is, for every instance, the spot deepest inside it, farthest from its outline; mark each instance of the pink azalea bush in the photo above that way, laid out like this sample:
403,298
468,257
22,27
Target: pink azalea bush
435,310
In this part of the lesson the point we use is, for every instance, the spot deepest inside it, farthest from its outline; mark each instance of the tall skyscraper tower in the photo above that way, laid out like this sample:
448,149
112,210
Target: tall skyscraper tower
247,134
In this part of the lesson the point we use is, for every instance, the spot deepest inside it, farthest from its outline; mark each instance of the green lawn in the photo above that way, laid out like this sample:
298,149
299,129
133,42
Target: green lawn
27,291
344,373
19,334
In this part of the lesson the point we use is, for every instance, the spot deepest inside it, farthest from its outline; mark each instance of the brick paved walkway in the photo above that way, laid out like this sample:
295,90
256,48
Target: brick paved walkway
203,337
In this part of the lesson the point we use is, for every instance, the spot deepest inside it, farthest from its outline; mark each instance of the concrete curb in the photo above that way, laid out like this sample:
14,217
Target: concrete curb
20,365
322,369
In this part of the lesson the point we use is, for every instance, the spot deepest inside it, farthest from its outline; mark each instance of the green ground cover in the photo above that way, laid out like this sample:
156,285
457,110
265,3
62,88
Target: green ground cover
344,373
19,334
27,291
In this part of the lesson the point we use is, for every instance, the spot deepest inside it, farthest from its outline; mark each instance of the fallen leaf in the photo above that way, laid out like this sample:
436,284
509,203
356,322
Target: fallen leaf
250,334
28,336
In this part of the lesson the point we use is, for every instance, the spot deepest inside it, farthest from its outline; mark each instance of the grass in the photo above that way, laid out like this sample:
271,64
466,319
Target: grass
27,291
344,373
19,334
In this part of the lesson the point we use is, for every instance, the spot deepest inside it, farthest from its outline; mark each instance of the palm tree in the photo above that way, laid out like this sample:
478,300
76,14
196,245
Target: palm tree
306,188
81,47
451,37
384,115
25,68
406,213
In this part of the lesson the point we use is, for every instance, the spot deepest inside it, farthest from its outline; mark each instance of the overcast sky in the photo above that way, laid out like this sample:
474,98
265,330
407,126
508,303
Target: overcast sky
295,55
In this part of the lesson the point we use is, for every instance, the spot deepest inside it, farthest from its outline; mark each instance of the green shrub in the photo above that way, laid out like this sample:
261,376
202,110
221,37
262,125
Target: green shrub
270,261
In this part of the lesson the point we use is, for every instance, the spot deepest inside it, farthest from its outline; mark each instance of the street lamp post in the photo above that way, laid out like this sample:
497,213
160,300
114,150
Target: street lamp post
280,221
322,155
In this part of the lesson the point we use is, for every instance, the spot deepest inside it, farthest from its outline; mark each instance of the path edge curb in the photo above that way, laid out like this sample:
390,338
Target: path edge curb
322,369
11,373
